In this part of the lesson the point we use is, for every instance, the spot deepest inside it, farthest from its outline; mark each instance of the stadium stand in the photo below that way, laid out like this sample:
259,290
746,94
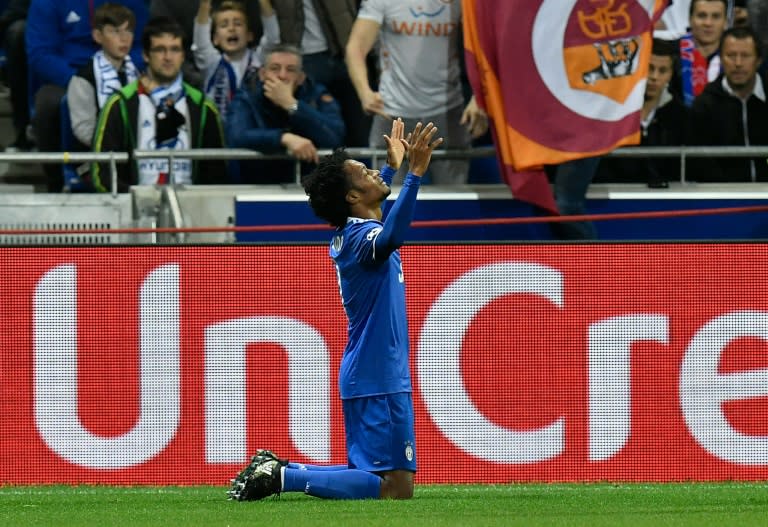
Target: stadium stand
16,177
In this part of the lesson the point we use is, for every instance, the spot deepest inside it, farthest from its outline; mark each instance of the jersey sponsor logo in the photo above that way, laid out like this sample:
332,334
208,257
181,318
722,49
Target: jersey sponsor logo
420,11
424,29
161,165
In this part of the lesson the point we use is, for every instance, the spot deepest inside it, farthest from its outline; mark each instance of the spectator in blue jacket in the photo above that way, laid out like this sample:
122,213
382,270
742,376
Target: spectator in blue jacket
59,42
282,110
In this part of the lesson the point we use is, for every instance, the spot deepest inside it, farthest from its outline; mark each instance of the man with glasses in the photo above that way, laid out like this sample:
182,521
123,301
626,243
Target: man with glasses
283,110
159,112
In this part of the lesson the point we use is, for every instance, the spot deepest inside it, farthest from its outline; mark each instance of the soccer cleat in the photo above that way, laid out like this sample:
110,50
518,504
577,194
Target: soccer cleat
261,478
266,455
265,480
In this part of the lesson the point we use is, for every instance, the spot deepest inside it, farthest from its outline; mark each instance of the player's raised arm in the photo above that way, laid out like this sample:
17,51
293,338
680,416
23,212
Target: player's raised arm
421,147
400,215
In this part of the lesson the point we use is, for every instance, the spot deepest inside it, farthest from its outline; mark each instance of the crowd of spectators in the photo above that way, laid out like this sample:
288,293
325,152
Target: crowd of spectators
295,76
275,72
705,88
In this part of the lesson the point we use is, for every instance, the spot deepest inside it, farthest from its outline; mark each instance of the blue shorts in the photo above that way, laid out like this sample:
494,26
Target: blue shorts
379,432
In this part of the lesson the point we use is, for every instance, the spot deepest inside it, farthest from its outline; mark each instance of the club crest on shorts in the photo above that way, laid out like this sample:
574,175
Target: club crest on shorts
409,451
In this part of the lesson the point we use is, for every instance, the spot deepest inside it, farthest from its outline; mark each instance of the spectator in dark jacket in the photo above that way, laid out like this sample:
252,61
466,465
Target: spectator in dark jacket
282,110
664,122
733,110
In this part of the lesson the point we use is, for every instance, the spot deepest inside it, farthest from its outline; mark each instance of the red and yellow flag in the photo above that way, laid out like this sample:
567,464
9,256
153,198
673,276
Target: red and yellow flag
560,80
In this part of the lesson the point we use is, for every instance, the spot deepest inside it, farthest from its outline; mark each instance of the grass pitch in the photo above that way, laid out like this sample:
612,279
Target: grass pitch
694,504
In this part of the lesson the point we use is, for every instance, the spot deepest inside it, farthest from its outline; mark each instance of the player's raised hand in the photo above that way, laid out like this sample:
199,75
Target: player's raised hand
396,146
420,148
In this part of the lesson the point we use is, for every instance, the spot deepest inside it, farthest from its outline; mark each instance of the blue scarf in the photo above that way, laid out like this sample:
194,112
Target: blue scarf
222,83
108,78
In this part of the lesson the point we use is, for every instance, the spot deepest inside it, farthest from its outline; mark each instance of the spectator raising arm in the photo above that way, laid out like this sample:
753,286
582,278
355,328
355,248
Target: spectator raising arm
203,50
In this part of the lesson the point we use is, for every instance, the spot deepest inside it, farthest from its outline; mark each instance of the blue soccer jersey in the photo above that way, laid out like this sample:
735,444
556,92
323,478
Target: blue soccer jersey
372,287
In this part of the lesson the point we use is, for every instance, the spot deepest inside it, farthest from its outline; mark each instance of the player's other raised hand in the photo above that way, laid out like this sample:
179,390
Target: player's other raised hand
421,144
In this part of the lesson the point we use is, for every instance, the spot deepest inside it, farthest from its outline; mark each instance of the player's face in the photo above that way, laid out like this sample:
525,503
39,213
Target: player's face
365,182
740,61
659,75
707,22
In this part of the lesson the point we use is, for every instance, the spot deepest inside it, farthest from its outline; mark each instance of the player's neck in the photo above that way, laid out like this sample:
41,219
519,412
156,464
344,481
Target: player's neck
366,213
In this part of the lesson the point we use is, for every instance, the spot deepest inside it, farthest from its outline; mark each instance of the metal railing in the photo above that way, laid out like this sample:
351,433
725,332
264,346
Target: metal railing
684,152
681,152
176,206
251,155
62,158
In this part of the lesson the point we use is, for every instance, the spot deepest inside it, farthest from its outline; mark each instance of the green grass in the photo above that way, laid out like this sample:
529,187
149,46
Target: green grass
699,504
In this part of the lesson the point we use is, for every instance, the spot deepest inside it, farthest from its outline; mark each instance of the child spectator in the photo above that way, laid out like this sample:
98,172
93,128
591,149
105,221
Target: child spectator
221,47
59,41
110,69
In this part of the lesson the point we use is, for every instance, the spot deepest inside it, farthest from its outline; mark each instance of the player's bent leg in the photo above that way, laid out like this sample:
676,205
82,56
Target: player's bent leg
397,484
350,484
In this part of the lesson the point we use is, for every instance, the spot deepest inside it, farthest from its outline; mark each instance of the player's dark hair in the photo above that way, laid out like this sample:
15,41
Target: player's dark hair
327,188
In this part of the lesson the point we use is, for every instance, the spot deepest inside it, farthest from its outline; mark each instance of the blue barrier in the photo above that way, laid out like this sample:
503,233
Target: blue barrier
256,209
